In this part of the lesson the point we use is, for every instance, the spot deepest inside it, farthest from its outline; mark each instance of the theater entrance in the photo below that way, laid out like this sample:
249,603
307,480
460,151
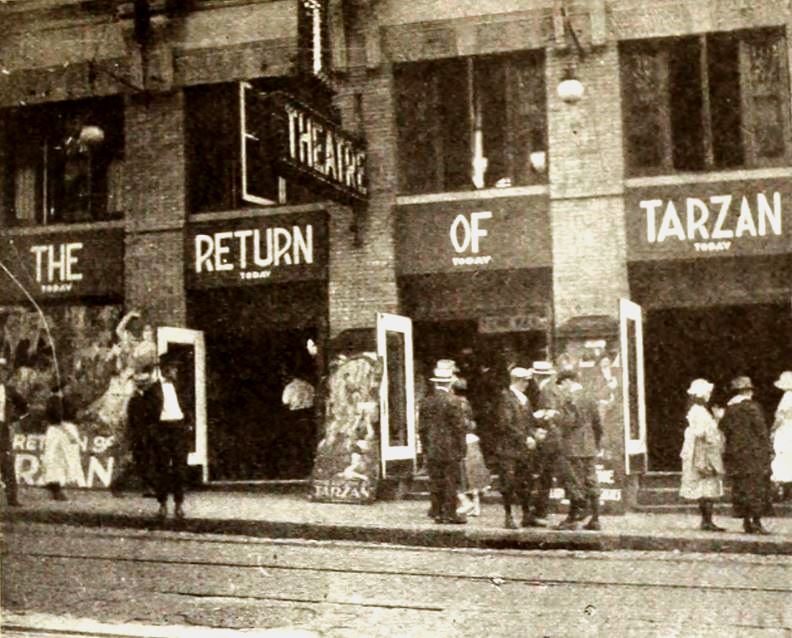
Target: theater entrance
716,343
261,376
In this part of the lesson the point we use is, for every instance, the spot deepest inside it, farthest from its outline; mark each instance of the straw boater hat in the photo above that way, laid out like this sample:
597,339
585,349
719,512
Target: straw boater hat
784,381
518,372
700,388
542,368
445,370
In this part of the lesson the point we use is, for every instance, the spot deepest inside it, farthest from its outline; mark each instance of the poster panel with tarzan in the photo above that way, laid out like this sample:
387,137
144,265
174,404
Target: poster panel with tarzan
96,351
347,461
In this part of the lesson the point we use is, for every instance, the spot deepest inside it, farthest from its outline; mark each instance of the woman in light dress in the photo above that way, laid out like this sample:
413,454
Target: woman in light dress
61,459
782,437
702,468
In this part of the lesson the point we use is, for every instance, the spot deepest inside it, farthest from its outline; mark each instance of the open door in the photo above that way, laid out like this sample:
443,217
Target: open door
631,333
397,392
192,368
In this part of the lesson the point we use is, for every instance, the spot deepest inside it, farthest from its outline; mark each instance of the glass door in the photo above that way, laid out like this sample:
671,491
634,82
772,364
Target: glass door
633,398
191,350
397,393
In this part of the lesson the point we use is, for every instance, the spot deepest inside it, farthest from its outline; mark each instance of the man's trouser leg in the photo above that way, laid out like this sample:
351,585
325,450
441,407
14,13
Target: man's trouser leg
453,483
436,486
9,474
546,461
506,482
524,486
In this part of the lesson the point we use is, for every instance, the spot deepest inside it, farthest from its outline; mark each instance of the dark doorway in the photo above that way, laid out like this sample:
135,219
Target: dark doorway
254,348
716,343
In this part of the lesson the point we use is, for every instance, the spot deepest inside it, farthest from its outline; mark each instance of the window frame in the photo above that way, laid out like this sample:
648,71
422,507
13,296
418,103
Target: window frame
659,49
433,74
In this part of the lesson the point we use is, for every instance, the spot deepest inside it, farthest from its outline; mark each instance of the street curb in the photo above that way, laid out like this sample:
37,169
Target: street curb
420,535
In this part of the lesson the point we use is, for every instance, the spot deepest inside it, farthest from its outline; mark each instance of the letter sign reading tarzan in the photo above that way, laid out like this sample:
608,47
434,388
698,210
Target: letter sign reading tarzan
715,223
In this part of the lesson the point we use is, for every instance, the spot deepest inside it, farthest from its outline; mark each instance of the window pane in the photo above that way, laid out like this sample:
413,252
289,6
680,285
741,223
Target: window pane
643,99
454,113
530,107
685,91
723,66
767,89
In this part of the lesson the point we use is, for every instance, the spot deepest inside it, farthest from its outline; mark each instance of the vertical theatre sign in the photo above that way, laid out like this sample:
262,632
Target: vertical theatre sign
307,146
719,219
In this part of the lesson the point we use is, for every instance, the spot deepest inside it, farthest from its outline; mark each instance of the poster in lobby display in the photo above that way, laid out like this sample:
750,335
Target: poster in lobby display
346,467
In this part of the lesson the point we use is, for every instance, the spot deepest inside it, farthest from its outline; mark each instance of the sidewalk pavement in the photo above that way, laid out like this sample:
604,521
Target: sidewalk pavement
401,522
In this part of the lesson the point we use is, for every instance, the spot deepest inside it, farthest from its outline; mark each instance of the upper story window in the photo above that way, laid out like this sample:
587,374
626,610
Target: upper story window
476,122
229,161
708,102
64,163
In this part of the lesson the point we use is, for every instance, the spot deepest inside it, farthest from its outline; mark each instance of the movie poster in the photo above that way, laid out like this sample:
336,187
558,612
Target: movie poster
347,462
91,352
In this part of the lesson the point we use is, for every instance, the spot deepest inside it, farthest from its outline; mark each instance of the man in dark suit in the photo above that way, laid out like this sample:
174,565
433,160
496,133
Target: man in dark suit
143,413
747,456
581,441
443,418
514,445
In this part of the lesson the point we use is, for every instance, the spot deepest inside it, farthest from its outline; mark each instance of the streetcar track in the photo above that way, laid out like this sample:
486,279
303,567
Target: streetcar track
532,582
310,601
561,554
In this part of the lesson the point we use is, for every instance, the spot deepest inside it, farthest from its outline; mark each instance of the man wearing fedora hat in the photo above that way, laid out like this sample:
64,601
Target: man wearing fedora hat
443,419
747,454
514,437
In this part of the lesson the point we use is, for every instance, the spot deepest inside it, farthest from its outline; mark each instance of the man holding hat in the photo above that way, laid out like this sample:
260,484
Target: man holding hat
747,454
582,438
514,438
443,418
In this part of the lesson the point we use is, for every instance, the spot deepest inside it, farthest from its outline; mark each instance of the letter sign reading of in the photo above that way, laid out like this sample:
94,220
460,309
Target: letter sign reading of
721,219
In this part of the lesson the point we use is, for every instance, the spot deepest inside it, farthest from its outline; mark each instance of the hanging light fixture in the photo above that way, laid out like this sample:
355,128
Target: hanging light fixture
570,89
91,135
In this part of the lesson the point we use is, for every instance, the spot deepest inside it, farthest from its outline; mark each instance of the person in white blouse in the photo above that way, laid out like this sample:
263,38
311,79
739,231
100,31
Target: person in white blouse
782,437
170,440
702,455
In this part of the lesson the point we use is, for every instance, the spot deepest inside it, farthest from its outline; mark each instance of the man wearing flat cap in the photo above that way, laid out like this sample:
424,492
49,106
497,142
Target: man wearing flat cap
514,439
443,420
582,439
747,455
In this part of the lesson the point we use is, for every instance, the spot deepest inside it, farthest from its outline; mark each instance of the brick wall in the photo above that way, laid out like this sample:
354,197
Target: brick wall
155,206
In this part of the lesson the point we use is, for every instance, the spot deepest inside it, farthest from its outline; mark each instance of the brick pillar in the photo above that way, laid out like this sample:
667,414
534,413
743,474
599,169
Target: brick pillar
362,250
586,188
155,195
588,226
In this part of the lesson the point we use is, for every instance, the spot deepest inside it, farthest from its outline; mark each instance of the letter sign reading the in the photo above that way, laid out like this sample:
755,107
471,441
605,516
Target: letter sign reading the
56,266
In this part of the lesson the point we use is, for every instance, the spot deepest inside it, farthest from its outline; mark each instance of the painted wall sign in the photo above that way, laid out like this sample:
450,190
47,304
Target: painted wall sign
539,319
257,250
709,220
471,235
63,264
96,459
310,145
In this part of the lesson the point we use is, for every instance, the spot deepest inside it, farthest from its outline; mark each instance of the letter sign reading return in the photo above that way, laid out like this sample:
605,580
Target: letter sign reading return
245,251
732,218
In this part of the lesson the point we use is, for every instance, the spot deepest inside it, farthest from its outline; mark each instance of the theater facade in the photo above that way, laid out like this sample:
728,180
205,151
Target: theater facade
609,181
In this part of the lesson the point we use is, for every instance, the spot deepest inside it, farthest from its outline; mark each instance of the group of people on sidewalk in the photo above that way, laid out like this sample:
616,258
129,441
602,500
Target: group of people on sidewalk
154,448
544,427
735,441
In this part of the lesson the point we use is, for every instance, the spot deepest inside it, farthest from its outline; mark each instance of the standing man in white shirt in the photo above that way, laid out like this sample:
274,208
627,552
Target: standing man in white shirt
9,401
170,440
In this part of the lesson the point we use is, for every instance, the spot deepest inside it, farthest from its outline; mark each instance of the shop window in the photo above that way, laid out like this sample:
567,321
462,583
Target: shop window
63,163
476,122
709,102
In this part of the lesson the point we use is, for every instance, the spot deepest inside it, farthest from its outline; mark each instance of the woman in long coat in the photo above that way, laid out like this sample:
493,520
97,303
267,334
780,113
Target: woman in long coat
702,460
782,437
